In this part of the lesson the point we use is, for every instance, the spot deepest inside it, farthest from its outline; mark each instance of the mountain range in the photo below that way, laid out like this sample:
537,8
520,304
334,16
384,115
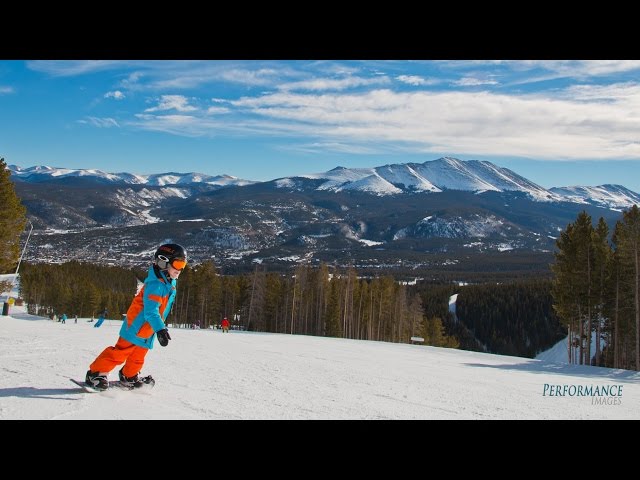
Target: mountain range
444,213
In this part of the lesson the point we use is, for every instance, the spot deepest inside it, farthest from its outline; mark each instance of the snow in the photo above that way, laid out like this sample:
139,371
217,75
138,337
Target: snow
615,197
160,179
351,235
503,247
372,184
558,353
452,303
431,176
445,173
369,243
205,374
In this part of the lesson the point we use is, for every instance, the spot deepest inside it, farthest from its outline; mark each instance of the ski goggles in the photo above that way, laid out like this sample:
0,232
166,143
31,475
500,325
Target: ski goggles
177,263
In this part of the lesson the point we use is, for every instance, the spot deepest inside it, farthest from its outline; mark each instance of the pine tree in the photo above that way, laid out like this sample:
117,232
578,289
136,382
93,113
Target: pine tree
257,301
12,221
616,303
585,270
602,258
573,290
629,246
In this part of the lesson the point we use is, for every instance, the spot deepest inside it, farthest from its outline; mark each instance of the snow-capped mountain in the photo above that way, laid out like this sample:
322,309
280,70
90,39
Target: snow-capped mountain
438,213
431,176
43,173
435,176
614,197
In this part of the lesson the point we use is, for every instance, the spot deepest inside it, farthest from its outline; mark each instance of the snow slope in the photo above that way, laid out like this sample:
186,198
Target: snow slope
204,374
558,353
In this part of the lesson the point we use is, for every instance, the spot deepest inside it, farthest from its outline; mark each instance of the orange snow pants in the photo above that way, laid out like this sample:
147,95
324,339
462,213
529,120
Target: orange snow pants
123,351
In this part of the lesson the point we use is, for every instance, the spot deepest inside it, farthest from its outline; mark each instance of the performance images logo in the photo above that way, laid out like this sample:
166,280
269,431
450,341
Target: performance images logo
599,394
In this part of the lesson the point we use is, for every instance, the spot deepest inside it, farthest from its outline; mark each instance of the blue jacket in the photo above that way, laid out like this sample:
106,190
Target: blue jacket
149,309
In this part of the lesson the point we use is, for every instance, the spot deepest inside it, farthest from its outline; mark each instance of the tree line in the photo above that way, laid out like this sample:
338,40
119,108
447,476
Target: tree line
77,288
596,290
308,301
511,319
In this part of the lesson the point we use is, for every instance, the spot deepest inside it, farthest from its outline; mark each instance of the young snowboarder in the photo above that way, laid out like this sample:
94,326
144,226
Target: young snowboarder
145,317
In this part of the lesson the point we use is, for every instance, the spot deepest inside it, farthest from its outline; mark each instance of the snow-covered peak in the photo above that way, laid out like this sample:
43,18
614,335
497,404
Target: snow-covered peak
43,172
473,175
445,173
614,197
373,184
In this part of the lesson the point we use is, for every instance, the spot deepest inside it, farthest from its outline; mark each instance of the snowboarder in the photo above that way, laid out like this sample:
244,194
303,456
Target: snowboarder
101,318
145,316
225,325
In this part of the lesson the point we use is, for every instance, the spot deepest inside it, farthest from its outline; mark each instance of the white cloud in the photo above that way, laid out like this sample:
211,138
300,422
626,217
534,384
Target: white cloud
66,68
618,92
474,123
579,122
535,71
196,74
334,68
416,80
584,68
217,110
117,94
184,125
179,103
100,122
318,84
474,81
6,90
132,82
319,147
175,74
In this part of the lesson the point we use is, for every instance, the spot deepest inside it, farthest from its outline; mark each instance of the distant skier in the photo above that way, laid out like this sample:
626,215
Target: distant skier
146,316
225,325
101,318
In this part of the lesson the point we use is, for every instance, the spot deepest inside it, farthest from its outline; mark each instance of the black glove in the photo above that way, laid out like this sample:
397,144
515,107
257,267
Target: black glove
163,337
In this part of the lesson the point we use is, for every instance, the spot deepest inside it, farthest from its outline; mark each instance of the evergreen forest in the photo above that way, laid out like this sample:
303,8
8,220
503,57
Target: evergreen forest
596,290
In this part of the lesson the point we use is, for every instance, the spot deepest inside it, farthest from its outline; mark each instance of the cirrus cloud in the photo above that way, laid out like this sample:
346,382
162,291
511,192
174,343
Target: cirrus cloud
179,103
99,122
117,95
480,123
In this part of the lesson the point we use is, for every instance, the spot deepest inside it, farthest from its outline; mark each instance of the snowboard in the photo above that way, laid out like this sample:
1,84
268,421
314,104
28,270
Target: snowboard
113,384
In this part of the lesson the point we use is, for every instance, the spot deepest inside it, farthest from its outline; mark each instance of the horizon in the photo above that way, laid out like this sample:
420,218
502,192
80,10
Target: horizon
556,123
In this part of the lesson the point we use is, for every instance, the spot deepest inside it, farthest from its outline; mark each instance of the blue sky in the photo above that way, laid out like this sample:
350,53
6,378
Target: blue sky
557,123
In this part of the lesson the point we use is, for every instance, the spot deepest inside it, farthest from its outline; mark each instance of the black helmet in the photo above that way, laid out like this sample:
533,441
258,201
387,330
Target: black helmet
167,253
